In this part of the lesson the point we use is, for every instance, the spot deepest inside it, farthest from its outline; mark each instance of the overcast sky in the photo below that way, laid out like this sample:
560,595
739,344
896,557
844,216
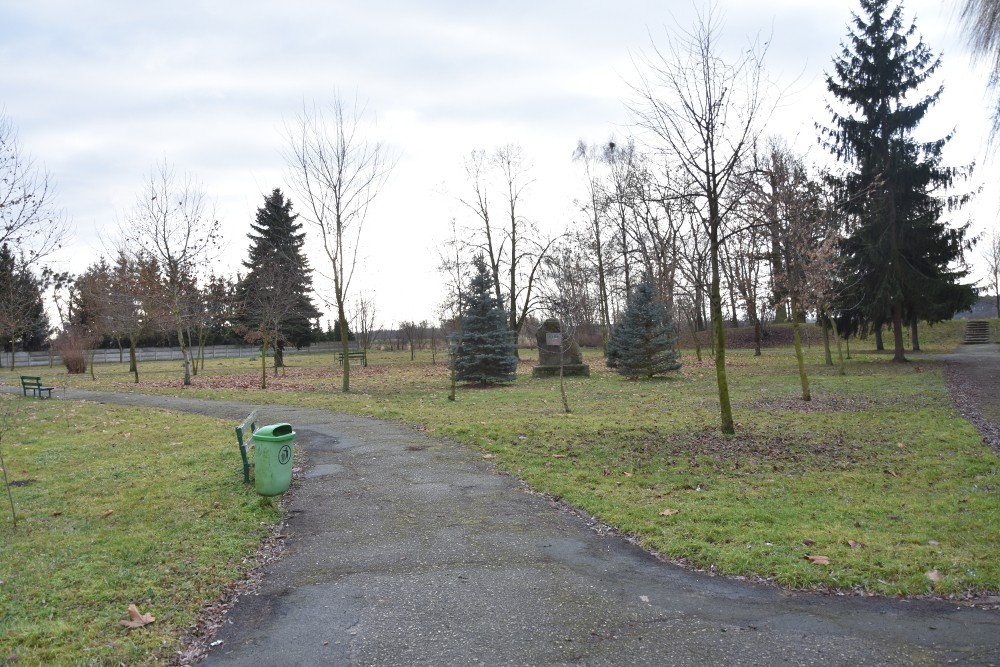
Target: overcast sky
100,91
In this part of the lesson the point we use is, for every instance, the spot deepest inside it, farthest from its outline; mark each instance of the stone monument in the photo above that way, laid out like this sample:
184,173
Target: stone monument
551,340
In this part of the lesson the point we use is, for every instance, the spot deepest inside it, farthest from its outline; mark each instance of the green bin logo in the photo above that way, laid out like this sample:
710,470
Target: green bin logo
284,454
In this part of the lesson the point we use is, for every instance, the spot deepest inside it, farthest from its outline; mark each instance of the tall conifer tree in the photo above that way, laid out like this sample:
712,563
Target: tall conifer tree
276,258
486,352
898,255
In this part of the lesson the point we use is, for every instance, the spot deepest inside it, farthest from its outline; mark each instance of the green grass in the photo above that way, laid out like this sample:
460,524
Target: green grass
879,459
116,506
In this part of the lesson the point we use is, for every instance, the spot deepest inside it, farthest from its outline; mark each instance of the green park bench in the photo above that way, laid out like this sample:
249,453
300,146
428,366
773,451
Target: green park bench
361,355
244,438
34,383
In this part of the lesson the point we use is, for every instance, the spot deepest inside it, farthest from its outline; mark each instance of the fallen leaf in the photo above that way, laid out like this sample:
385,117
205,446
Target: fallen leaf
606,472
135,619
669,512
808,542
627,474
817,560
900,445
57,513
933,575
487,456
107,514
854,545
933,543
558,456
891,473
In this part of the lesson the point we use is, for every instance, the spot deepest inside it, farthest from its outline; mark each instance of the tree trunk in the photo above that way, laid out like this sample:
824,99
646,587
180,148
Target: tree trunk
344,346
180,341
718,329
897,333
279,356
914,339
879,345
825,322
841,370
191,351
263,362
756,336
134,366
799,358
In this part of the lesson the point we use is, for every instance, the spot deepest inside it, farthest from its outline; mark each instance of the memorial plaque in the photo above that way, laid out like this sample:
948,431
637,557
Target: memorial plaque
552,339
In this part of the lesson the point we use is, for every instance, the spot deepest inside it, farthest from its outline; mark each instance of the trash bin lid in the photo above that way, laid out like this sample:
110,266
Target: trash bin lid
274,433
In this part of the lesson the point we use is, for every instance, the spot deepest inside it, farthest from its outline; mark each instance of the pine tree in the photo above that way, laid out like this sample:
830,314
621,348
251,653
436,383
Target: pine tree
276,258
898,252
486,352
645,342
22,310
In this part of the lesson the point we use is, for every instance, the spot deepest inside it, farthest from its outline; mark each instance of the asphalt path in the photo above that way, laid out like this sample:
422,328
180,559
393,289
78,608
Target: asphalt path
403,549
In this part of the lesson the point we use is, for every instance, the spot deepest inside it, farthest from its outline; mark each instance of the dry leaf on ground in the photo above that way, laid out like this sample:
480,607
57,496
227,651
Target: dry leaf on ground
669,512
933,575
105,515
135,619
817,560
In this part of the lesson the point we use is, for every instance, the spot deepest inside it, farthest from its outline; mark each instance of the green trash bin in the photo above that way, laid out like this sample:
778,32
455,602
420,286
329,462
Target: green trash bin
272,459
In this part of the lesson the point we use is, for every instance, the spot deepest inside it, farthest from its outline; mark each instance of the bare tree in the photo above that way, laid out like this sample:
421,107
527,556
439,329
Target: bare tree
171,223
337,172
408,332
743,258
29,219
705,113
366,328
991,253
135,296
512,245
595,209
981,21
268,305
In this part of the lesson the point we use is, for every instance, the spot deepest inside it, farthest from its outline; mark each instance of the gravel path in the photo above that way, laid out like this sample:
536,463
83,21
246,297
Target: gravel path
973,376
403,549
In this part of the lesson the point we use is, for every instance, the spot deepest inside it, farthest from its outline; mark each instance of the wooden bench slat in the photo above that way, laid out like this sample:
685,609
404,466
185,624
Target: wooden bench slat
360,354
34,383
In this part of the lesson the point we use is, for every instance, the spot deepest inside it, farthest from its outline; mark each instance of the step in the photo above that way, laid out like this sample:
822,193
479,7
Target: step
977,332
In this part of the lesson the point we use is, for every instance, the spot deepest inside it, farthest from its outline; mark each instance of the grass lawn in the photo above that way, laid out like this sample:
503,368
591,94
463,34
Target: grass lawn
116,506
878,474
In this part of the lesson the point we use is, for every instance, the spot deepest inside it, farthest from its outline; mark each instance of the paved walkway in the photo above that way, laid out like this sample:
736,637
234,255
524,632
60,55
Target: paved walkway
407,550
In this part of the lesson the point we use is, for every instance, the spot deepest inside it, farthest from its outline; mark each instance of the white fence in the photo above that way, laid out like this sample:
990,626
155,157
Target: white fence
26,359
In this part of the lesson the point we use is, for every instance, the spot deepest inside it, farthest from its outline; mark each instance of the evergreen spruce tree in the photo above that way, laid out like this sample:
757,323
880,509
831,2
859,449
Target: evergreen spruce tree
276,258
486,352
645,342
22,310
899,256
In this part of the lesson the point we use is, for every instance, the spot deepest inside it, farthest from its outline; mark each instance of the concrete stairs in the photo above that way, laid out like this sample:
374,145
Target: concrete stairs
977,332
